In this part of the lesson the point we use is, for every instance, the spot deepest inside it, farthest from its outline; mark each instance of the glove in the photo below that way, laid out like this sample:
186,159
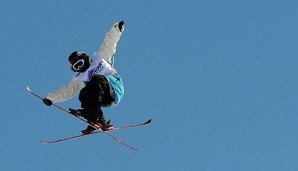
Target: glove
121,25
47,102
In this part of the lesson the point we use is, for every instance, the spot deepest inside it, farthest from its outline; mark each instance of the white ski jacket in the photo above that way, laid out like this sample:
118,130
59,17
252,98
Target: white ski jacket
102,64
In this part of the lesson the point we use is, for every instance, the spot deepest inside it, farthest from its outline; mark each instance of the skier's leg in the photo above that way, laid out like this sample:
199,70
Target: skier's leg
100,91
91,107
92,97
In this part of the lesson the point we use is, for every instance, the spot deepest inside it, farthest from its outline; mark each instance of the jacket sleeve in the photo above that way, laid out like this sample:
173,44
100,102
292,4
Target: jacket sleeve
108,47
66,92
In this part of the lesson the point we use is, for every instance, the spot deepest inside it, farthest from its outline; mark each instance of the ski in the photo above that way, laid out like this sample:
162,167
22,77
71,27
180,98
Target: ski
83,135
104,132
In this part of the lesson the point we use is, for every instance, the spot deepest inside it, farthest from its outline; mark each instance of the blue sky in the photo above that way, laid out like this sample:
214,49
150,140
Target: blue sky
219,78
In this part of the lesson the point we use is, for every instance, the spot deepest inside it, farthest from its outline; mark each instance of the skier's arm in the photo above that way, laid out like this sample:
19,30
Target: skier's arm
66,92
108,47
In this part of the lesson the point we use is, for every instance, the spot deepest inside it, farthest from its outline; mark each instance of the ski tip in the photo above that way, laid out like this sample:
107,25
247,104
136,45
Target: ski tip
136,149
149,121
46,142
43,142
28,88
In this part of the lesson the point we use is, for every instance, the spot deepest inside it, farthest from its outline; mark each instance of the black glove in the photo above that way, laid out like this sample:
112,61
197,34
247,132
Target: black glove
120,25
47,102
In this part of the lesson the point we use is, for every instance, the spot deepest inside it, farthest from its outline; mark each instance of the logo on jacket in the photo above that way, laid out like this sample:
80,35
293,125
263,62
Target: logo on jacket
96,69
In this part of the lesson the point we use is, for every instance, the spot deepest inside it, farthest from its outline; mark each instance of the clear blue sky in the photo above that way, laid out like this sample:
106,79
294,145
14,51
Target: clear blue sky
219,78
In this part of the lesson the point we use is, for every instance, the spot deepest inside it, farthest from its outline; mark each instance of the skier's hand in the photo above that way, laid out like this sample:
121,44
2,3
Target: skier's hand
47,102
121,26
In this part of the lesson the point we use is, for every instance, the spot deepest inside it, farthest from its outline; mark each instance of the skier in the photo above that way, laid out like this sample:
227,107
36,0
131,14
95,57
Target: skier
96,81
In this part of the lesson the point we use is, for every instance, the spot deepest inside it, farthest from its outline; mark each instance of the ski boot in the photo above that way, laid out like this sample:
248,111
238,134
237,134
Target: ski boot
90,129
106,126
103,125
78,112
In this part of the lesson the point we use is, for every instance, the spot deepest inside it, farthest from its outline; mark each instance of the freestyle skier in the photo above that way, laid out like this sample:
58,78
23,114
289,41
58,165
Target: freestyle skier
96,81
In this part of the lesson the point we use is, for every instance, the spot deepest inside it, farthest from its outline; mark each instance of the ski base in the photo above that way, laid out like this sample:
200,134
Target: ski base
96,132
99,130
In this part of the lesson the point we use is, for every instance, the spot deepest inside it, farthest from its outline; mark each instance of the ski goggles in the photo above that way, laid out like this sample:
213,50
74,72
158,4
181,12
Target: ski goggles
78,65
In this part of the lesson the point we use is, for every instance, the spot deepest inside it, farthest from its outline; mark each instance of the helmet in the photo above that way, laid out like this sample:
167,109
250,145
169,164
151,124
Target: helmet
79,61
